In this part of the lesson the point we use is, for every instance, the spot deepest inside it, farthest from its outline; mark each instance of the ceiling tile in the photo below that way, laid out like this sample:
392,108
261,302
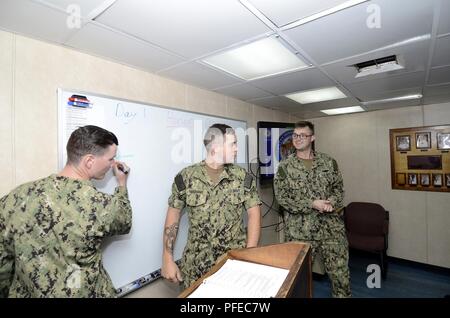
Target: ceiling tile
397,104
189,28
282,12
277,102
85,6
437,99
441,54
444,21
436,90
439,75
243,92
373,89
274,101
346,32
199,75
51,24
104,42
293,82
395,93
309,115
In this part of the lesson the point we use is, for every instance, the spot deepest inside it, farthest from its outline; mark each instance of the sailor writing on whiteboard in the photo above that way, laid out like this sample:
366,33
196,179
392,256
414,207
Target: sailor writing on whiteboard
51,229
215,192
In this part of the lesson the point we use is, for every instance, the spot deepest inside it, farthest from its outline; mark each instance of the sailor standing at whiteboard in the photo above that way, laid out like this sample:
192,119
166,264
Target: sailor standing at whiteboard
215,192
51,229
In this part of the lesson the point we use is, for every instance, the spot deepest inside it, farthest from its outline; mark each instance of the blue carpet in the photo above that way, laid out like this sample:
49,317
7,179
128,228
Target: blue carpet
404,279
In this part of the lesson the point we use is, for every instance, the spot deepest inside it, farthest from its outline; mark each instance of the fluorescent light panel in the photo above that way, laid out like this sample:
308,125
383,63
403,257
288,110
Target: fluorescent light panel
343,110
321,14
393,99
258,59
317,95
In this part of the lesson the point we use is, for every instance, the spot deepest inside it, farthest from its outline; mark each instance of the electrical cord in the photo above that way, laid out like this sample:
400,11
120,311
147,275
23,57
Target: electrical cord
270,207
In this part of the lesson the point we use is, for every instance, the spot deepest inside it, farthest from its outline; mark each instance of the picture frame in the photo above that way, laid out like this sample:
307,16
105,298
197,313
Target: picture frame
403,143
425,179
443,141
401,178
412,179
437,179
423,140
420,158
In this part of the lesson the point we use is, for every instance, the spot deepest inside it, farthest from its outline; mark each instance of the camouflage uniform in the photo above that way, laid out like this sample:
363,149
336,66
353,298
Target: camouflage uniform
50,235
215,215
296,187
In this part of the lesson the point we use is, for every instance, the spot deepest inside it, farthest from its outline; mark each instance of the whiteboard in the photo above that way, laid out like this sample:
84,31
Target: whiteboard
156,142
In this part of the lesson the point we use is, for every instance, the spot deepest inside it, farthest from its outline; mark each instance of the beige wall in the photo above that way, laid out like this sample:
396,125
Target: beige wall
419,221
6,113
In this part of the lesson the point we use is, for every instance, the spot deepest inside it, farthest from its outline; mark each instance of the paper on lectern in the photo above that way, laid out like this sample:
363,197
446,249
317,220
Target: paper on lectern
239,279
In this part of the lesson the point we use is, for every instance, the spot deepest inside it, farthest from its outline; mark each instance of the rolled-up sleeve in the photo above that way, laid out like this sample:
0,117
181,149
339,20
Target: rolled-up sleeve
251,196
177,198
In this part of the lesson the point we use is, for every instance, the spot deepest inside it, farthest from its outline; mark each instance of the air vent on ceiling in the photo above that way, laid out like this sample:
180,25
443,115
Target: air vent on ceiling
381,65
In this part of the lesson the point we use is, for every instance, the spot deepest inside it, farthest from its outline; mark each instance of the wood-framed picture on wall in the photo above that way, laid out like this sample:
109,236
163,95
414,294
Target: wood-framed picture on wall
423,140
425,179
420,158
437,180
412,179
403,143
443,141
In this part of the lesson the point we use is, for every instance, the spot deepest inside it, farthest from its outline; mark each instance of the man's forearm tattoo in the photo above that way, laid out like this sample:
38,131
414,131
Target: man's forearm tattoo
171,234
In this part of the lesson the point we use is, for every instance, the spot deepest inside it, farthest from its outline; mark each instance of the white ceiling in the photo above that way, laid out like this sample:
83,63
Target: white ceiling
170,37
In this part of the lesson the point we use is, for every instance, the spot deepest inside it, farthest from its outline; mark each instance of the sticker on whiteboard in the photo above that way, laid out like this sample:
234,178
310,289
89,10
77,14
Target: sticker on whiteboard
80,112
79,101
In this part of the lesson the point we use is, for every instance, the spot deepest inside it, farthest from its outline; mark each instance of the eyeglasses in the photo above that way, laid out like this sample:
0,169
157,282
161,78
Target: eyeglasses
301,136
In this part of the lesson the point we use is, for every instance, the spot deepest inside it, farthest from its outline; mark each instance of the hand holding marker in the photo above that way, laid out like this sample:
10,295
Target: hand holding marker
121,176
122,168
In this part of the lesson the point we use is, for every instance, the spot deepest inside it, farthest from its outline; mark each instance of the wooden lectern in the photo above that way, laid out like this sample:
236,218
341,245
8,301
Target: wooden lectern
294,256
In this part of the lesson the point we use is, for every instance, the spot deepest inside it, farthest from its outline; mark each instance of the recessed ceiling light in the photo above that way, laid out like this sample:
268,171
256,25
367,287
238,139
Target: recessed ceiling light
343,110
258,59
393,99
317,95
342,6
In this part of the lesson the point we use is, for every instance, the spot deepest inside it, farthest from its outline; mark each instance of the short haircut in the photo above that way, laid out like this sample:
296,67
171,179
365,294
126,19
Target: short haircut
303,124
216,131
89,140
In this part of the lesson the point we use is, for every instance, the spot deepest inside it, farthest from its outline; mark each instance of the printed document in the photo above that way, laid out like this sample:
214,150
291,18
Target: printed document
239,279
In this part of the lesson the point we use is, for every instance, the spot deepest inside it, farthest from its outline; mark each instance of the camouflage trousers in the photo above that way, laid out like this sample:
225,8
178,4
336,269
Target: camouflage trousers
335,257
